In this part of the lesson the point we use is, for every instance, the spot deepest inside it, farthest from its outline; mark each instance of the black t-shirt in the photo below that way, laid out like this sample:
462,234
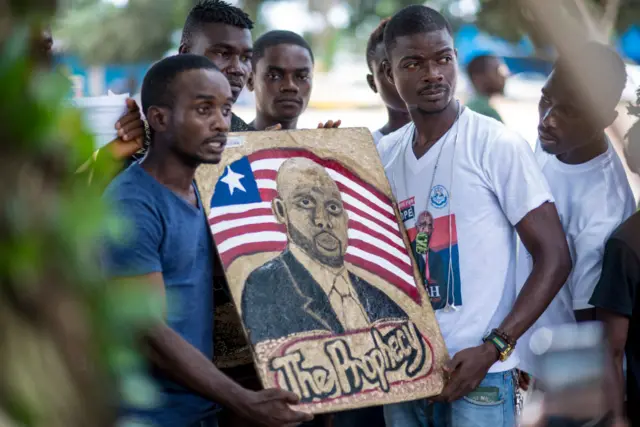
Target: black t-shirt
617,291
238,125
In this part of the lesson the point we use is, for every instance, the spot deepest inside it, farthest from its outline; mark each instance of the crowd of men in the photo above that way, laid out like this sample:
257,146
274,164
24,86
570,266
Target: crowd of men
569,204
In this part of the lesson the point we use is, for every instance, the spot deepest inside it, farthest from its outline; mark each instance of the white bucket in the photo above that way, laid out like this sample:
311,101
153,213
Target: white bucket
101,114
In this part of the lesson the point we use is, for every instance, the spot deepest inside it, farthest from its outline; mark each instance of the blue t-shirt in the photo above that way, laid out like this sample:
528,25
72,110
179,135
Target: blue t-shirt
167,234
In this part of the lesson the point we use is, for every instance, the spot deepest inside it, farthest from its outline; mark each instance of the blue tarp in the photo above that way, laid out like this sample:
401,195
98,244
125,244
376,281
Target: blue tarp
472,42
629,43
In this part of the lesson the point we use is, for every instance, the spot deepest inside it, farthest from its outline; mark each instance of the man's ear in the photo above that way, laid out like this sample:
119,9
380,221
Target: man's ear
388,72
183,48
279,210
372,83
250,81
158,117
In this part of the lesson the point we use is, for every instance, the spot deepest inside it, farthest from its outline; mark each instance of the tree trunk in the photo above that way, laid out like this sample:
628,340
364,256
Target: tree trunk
610,16
322,42
599,21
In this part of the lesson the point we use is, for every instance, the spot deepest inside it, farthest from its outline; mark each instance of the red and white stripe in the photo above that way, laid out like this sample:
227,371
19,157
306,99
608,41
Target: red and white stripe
375,242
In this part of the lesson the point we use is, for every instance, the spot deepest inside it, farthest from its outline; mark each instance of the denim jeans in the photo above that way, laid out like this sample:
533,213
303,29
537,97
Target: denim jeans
492,404
365,417
211,421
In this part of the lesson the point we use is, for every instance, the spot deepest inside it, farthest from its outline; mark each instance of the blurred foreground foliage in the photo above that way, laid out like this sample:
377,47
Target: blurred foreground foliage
511,19
136,31
66,337
142,30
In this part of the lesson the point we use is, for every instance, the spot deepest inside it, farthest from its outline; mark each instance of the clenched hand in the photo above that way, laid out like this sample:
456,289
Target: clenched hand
271,408
466,370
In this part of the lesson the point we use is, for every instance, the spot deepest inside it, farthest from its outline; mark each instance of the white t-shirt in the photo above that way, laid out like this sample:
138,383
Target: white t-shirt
377,136
592,198
472,248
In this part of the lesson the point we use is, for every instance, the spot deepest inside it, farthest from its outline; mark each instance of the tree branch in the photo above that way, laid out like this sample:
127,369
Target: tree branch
587,18
609,17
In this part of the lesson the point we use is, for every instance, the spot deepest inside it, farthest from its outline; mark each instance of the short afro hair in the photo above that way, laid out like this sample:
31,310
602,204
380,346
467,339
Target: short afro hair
213,11
157,85
414,19
275,38
375,39
603,71
480,64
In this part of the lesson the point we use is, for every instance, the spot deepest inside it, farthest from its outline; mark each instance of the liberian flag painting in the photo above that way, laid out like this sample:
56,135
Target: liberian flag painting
242,220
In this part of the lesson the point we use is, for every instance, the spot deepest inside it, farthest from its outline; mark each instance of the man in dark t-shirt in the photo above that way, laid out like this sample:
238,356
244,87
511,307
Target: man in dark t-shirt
282,78
222,33
617,304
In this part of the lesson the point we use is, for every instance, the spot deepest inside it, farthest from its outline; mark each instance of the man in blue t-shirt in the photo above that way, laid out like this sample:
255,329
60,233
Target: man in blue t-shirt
187,102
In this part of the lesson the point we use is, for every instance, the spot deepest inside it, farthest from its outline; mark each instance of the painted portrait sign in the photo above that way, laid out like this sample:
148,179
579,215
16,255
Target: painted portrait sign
320,271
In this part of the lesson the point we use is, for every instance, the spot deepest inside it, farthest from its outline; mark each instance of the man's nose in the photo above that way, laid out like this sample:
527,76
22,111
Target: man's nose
432,74
549,118
289,85
321,218
235,66
220,123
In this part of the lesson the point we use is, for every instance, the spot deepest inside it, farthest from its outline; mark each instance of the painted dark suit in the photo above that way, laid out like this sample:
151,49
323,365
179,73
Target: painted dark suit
437,285
437,271
281,298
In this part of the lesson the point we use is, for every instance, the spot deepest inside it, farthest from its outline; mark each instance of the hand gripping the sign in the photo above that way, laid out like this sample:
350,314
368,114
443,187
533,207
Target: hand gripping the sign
271,408
466,370
330,124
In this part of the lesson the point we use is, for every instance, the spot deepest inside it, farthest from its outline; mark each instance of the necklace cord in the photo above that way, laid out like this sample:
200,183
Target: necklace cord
449,305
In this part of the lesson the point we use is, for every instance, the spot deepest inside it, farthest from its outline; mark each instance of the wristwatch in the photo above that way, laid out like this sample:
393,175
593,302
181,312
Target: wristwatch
502,342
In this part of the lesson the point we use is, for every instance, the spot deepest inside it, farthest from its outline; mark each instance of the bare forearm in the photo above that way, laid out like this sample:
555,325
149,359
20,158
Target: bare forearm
616,387
185,365
545,281
542,236
616,331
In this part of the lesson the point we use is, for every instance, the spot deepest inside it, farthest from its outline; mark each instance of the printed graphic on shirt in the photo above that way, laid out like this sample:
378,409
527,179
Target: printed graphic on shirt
436,253
439,197
407,209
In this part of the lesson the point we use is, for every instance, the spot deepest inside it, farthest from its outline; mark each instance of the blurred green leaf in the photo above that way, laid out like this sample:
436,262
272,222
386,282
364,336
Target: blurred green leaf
52,292
508,19
139,391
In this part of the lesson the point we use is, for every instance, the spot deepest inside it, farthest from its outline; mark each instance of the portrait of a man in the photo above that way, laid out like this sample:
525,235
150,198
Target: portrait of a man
432,269
308,286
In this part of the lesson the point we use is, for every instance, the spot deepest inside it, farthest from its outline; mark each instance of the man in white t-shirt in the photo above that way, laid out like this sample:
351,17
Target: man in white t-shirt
586,177
376,59
481,184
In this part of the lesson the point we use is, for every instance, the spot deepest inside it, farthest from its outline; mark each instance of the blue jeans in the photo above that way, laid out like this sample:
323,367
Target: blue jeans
211,421
365,417
492,404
